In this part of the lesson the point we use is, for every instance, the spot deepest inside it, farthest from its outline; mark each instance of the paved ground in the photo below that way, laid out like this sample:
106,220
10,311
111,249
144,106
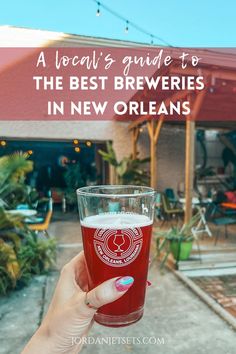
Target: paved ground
222,289
173,314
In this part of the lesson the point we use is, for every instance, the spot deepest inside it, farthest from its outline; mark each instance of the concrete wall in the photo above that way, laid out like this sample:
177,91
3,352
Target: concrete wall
214,150
170,155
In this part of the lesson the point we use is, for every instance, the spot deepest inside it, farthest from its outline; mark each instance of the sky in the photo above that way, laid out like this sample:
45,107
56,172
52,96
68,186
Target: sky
196,23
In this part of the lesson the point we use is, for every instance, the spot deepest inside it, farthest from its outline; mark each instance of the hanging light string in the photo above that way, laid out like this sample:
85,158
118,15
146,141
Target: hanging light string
129,23
98,13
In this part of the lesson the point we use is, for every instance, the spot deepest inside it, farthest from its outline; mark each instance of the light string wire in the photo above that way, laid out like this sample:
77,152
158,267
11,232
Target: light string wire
129,23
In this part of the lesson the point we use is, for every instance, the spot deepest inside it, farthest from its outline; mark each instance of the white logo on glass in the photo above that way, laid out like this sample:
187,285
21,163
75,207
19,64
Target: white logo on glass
118,248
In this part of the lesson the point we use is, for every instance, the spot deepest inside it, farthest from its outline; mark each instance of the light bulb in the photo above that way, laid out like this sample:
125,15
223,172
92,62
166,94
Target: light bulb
98,13
88,143
127,27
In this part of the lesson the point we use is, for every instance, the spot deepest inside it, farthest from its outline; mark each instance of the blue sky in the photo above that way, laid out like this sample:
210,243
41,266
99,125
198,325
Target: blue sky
180,22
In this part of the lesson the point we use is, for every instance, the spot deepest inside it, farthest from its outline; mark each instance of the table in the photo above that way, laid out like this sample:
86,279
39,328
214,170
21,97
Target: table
23,212
196,201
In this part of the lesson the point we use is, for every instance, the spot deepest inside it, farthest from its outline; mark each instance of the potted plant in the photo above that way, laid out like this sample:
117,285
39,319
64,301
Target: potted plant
128,170
177,240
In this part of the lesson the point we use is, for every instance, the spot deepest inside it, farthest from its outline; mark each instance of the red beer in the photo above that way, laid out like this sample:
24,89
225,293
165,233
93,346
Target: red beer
116,224
118,244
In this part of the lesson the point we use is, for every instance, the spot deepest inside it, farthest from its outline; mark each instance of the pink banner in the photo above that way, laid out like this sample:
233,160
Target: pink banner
86,83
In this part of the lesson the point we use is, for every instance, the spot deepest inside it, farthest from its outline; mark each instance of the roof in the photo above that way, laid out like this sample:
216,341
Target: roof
218,108
11,36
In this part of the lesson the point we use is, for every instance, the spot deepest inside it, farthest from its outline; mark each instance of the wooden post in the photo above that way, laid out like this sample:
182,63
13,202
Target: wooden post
154,132
112,175
135,135
153,161
190,153
189,167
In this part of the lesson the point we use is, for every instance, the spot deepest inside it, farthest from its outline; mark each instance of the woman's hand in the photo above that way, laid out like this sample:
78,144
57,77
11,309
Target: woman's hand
70,314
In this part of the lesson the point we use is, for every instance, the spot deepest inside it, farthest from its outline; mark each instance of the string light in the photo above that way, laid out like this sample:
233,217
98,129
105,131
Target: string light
77,149
127,27
30,152
88,143
3,143
129,23
98,13
76,141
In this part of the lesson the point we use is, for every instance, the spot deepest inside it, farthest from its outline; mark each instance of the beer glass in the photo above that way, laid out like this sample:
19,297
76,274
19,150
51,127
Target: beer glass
116,223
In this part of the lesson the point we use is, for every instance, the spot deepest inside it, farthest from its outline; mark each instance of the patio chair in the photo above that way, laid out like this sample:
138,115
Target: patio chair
58,197
44,225
223,221
168,211
158,207
220,207
169,192
215,210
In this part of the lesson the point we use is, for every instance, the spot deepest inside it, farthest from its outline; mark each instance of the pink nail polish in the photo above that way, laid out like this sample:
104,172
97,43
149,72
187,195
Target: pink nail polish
124,283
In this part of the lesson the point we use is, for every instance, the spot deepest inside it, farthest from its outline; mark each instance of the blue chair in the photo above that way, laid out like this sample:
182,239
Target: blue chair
170,194
158,207
223,221
170,211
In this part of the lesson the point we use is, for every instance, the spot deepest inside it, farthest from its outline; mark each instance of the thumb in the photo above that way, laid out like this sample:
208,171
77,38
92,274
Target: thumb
103,294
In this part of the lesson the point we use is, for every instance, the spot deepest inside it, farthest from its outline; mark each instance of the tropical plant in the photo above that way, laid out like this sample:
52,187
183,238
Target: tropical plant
9,267
128,170
74,179
176,234
22,253
13,169
12,228
35,256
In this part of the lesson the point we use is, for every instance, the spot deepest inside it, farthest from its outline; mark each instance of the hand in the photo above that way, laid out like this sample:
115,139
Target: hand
70,314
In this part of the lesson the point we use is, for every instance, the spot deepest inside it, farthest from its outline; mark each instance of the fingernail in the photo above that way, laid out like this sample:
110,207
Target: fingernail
149,283
124,283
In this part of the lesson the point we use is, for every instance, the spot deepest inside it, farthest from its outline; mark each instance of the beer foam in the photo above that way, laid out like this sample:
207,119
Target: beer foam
116,221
